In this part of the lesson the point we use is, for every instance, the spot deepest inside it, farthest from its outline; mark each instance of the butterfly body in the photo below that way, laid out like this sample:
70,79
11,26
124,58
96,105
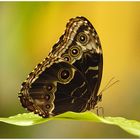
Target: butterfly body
69,79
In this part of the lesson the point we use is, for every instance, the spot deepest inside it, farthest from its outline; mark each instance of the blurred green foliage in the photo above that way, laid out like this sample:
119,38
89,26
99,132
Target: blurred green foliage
27,119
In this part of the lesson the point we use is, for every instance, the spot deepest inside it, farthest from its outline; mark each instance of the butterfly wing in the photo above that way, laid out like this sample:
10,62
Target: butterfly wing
54,87
80,46
69,79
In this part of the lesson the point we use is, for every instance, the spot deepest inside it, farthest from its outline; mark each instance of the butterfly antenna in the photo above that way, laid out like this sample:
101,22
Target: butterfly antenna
109,84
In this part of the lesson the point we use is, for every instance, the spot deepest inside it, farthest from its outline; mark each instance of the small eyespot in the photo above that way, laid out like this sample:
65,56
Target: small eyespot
64,75
47,97
40,113
83,38
48,106
66,57
49,87
75,51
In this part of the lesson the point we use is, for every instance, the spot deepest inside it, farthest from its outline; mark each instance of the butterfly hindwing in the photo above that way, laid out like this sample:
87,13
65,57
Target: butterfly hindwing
55,90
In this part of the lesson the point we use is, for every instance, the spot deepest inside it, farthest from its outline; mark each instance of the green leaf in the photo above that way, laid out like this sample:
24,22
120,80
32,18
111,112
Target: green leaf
27,119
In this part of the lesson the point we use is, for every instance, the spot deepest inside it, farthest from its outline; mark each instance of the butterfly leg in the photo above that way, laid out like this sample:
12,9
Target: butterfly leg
93,105
94,100
98,110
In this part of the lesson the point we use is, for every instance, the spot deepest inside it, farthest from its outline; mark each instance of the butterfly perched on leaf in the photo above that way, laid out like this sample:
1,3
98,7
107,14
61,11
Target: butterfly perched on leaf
69,78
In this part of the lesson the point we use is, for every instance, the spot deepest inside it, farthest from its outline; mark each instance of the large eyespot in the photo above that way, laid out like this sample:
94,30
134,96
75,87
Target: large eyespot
75,51
66,57
83,38
64,75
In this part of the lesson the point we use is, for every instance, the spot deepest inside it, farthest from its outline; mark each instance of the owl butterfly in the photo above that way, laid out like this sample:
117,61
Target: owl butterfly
69,78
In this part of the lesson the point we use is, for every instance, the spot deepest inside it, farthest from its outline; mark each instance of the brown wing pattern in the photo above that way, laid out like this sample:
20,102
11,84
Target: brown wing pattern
69,79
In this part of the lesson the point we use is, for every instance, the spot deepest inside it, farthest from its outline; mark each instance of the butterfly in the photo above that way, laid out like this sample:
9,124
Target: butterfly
69,78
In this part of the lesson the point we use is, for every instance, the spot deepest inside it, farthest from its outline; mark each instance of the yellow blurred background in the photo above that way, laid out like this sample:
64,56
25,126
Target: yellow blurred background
27,32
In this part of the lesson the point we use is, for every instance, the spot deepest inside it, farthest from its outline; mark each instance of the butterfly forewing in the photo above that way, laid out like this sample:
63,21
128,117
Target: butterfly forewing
81,47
